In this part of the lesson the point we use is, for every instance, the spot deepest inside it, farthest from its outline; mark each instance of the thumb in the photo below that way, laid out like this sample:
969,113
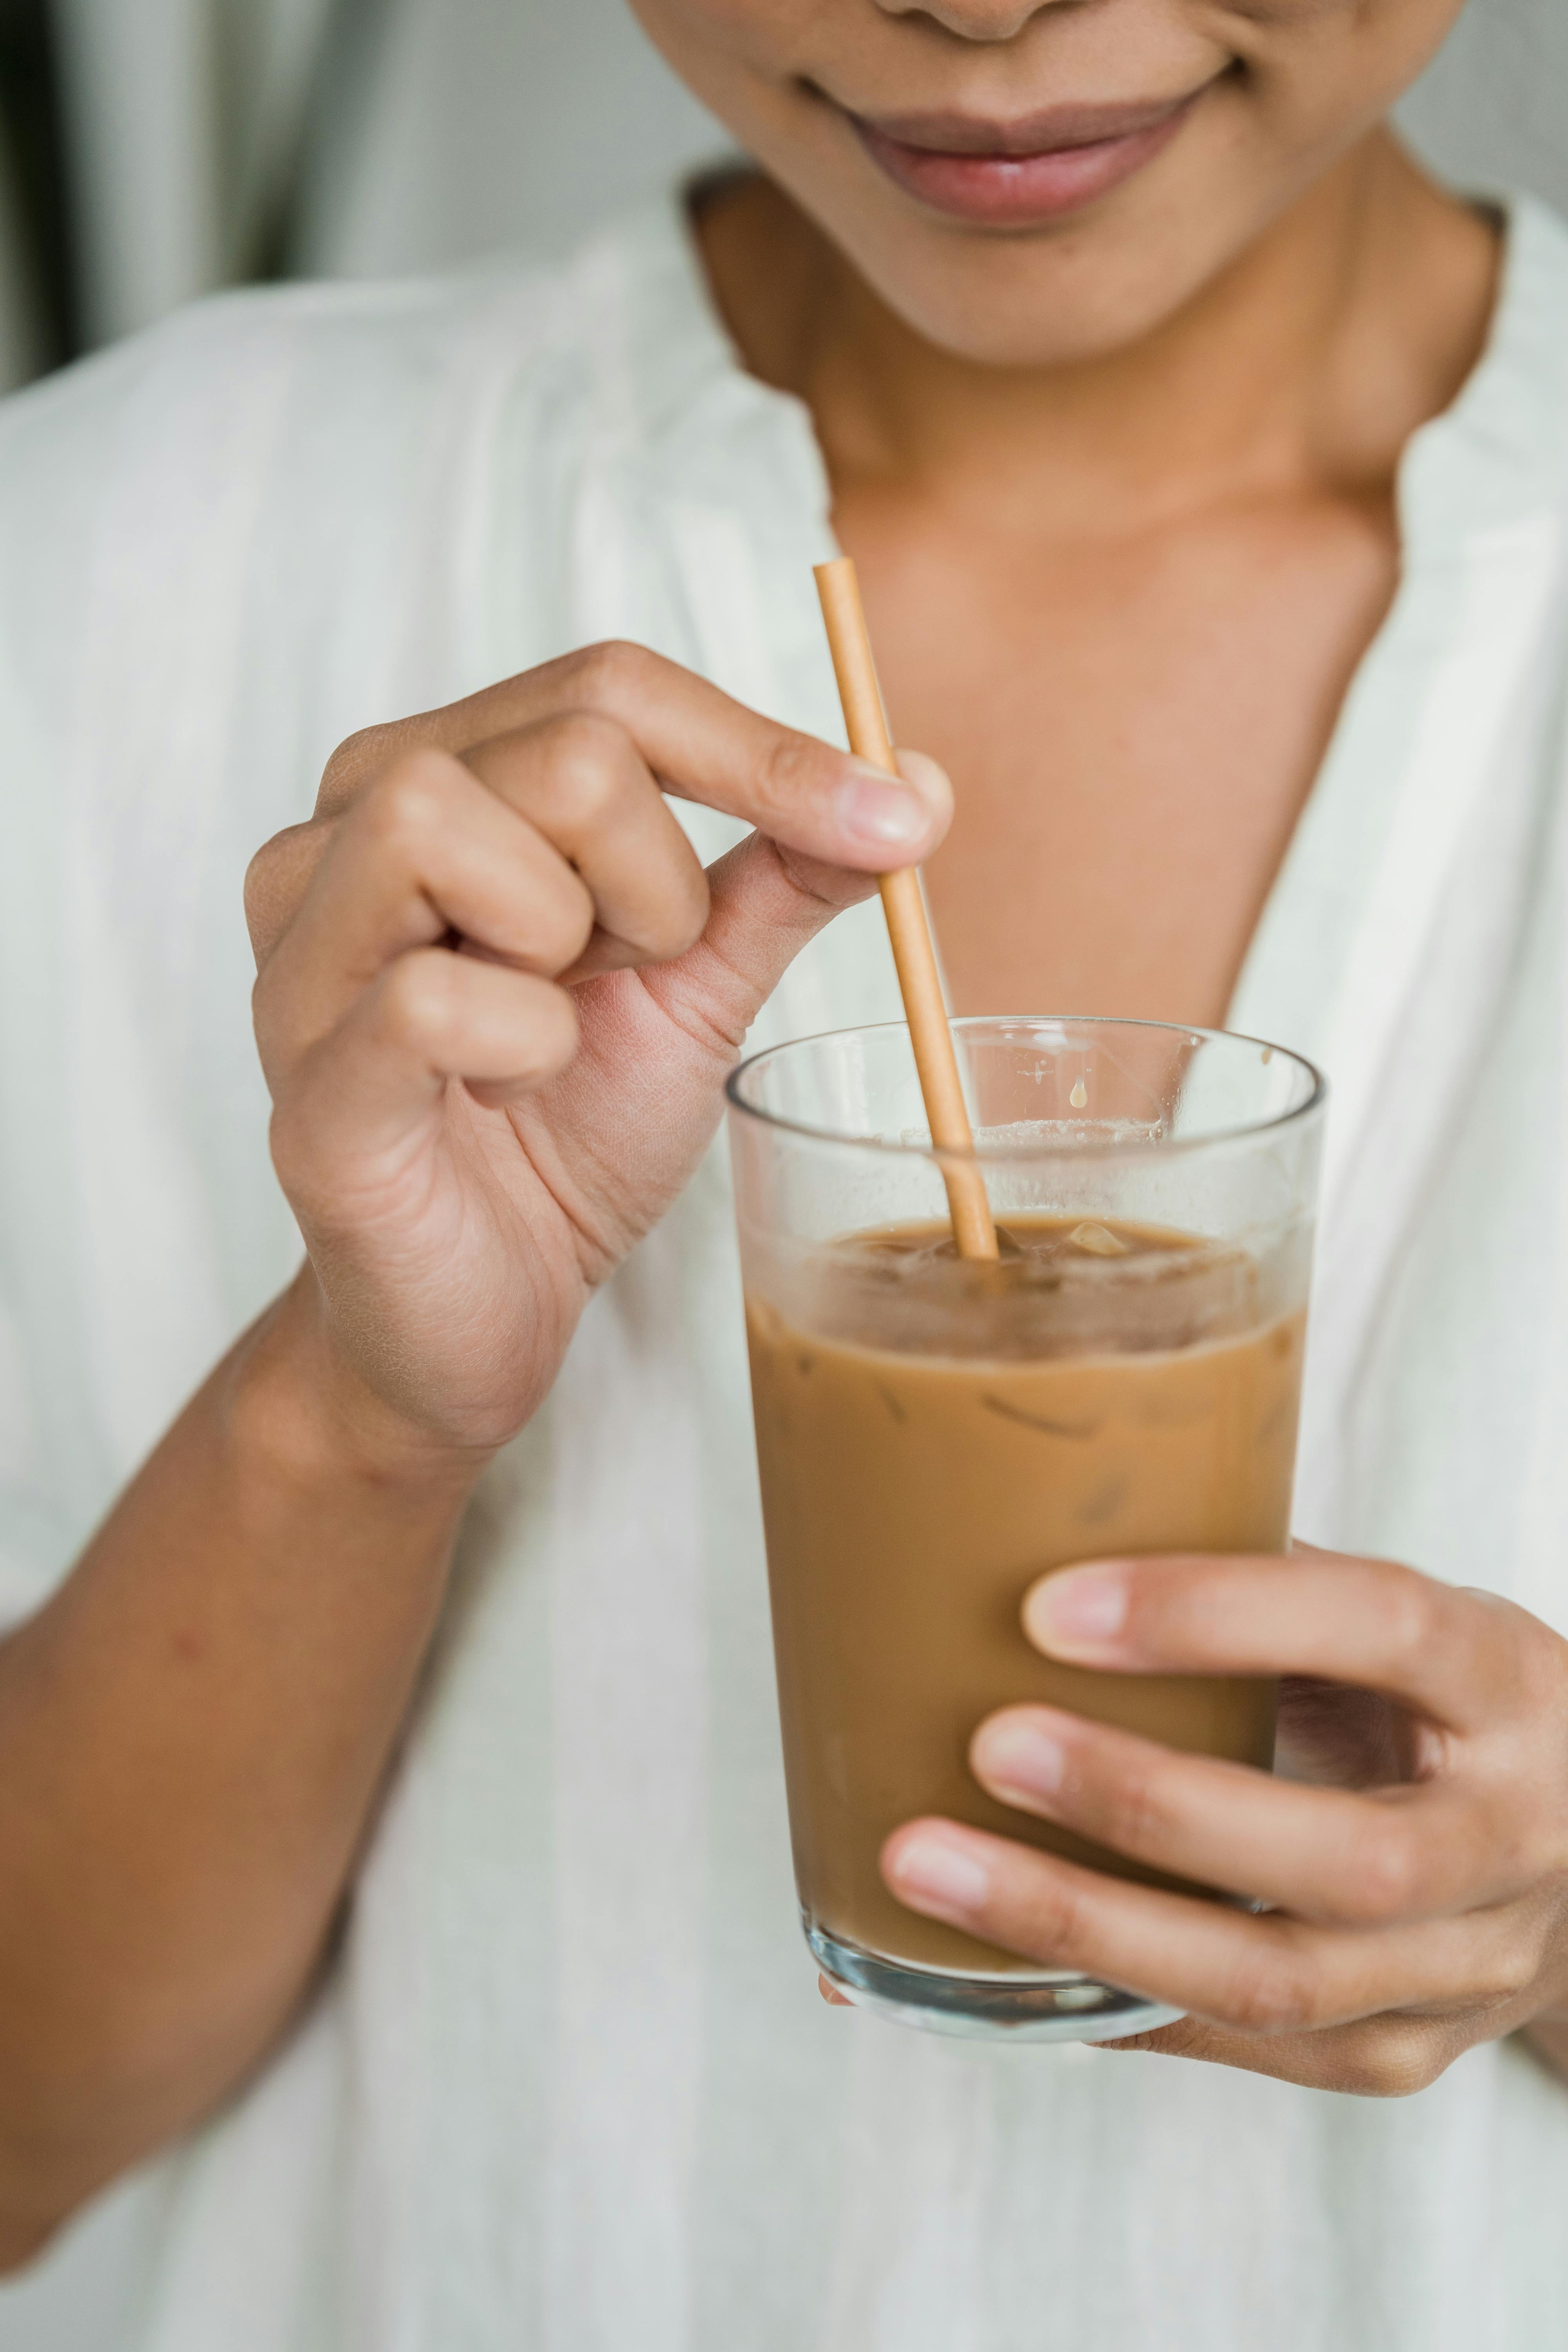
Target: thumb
766,903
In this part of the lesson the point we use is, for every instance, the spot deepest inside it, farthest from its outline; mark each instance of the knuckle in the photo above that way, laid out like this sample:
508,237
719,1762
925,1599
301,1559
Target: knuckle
1511,1975
1515,1964
1272,1993
1135,1822
1391,2058
1386,1873
353,763
418,999
610,674
277,879
1411,1617
1059,1923
260,889
789,775
409,808
591,761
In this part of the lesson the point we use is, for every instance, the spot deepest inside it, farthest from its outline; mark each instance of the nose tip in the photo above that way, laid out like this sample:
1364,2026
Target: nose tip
975,20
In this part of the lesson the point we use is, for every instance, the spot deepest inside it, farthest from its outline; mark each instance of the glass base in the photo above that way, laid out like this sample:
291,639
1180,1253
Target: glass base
1058,2005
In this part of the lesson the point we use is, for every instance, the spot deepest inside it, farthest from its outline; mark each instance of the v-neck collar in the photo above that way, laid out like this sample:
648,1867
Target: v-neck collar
1473,486
1474,482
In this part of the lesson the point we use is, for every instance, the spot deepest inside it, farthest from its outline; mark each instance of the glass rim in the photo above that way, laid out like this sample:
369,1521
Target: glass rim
1085,1148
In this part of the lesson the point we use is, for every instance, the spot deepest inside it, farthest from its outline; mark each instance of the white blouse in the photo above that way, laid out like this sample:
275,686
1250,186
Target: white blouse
570,2087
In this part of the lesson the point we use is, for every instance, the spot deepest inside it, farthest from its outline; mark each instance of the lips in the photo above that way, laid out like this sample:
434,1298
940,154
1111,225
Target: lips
1013,174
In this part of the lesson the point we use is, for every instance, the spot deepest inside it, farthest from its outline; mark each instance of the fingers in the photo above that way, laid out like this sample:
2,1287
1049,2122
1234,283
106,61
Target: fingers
1402,1854
1386,2057
528,827
581,785
696,743
367,1086
276,882
363,1012
427,851
1251,1975
551,848
545,847
764,907
1459,1658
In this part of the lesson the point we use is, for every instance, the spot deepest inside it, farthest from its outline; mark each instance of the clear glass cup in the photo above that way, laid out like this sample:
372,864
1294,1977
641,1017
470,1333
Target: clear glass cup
933,1435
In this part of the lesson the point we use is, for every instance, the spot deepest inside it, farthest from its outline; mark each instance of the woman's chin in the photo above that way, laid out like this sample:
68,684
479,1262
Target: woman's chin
1095,278
1038,299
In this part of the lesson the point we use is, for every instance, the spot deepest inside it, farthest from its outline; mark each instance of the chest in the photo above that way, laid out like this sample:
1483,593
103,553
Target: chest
1133,725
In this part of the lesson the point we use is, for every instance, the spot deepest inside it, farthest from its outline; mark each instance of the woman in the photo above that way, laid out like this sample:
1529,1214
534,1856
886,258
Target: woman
389,1806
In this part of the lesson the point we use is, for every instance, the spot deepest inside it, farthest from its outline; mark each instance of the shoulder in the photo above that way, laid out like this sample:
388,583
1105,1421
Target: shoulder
353,358
289,454
291,420
1484,486
1514,415
235,376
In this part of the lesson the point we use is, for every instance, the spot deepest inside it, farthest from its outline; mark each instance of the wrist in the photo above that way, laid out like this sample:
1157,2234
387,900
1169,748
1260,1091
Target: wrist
292,1397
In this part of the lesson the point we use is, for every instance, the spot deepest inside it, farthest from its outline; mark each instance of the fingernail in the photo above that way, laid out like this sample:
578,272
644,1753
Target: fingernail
1019,1755
1077,1610
875,809
932,1875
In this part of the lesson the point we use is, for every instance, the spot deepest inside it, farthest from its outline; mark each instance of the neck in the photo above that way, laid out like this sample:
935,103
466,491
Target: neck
1305,366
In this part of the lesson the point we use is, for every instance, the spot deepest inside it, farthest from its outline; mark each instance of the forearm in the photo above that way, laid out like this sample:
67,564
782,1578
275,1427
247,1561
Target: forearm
192,1738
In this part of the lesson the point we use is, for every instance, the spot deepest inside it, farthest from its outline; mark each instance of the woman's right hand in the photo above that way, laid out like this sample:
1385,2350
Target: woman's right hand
499,998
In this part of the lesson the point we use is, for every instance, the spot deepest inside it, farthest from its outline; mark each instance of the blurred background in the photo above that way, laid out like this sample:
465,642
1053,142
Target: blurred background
153,149
150,150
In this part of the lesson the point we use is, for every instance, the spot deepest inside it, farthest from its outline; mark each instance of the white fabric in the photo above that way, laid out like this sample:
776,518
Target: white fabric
571,2088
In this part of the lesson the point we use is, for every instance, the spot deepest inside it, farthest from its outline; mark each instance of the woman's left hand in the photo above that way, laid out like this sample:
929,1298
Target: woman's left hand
1418,1906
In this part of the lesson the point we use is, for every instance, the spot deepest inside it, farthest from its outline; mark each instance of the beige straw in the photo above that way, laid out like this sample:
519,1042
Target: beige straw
904,907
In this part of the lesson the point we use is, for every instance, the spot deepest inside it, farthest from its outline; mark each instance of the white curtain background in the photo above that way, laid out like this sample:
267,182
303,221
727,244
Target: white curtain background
184,122
1489,113
210,140
451,128
19,340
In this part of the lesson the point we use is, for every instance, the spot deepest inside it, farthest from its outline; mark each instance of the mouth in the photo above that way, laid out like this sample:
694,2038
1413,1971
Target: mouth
1016,174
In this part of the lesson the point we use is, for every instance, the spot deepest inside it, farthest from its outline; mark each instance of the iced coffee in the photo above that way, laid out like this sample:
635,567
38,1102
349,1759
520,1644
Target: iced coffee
934,1434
